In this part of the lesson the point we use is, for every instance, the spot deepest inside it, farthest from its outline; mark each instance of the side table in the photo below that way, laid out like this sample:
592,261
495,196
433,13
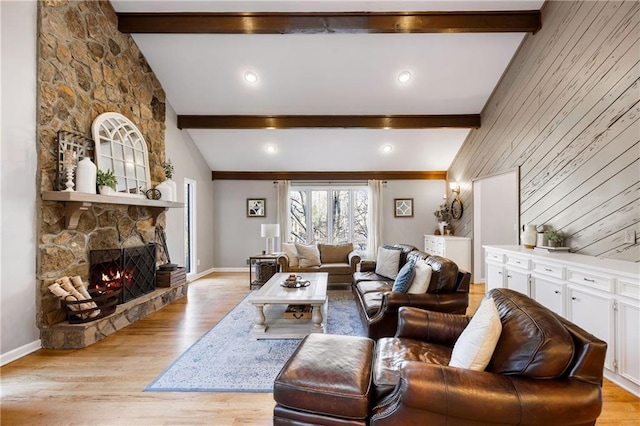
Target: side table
266,265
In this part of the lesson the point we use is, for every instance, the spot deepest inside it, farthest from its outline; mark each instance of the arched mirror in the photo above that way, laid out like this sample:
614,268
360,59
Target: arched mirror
121,147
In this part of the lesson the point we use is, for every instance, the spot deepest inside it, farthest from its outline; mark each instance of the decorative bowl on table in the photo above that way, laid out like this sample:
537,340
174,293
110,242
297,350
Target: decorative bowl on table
294,281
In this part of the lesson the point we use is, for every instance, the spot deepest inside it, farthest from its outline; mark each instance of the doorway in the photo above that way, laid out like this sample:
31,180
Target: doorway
496,215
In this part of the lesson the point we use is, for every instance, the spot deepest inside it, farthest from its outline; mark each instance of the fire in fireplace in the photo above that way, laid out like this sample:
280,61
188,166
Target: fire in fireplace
131,269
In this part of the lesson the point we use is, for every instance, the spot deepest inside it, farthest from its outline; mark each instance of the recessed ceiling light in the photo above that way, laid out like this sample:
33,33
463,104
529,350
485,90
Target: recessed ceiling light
386,149
404,77
251,77
271,149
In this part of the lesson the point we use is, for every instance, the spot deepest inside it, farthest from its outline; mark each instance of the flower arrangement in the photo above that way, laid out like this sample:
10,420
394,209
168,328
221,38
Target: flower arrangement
443,213
168,169
106,178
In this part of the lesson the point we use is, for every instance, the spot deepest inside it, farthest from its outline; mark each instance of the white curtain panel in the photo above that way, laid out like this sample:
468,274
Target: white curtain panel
283,209
375,217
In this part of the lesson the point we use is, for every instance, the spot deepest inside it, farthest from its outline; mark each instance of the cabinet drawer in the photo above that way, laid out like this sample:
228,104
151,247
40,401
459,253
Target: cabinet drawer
520,262
494,256
590,279
548,269
628,288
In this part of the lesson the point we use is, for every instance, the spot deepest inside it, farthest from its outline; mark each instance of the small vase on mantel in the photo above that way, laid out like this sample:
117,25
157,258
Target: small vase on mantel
86,176
166,191
174,189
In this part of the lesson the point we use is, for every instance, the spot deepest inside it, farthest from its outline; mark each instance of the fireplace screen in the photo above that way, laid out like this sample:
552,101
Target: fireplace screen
132,269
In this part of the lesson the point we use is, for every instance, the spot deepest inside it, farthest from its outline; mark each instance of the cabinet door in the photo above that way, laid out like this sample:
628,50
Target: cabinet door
518,281
548,293
495,276
593,312
628,342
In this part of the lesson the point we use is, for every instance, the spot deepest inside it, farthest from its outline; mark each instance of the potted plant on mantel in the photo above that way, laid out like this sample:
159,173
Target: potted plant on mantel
106,182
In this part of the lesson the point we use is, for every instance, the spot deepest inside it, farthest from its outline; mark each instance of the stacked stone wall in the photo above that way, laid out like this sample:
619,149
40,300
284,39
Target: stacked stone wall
87,67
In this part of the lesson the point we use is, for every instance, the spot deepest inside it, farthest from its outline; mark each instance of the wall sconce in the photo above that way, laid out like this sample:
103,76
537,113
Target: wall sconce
455,187
270,231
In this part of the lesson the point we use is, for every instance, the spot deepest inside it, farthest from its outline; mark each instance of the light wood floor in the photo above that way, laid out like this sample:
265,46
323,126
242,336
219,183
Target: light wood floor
103,384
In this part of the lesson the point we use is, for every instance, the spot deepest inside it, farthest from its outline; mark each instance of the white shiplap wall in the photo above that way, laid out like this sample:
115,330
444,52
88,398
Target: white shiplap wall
567,112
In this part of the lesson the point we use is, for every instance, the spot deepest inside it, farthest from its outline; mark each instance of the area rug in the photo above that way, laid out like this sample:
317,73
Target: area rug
226,359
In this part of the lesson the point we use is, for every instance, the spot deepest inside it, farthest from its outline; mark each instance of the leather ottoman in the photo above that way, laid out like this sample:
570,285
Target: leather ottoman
326,381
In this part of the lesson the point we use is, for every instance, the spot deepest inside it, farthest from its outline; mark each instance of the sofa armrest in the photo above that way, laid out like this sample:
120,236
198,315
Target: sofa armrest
430,391
429,326
367,266
283,261
354,260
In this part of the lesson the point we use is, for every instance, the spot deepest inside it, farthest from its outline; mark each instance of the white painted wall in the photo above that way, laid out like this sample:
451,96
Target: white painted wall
19,334
236,237
188,163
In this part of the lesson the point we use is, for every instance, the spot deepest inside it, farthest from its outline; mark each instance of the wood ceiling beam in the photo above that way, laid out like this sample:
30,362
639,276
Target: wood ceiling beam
336,22
329,176
328,121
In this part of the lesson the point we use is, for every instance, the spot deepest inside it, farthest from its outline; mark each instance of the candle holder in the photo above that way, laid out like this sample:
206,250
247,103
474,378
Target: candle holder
69,164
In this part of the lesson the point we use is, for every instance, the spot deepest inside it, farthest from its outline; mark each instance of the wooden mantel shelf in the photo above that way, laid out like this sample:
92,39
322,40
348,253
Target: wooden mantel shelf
78,202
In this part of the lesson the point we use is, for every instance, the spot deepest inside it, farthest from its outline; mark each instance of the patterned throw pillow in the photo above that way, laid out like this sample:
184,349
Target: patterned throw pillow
308,255
403,280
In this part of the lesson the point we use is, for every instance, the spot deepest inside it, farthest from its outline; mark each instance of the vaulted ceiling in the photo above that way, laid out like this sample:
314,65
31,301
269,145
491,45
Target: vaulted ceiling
327,95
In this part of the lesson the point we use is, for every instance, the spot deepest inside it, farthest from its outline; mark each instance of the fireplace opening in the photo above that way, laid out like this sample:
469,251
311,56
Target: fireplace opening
131,269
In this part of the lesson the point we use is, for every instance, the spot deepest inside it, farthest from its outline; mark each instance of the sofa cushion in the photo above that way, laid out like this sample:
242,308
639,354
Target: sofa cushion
371,302
308,254
335,253
476,344
405,249
373,286
292,254
421,278
533,341
388,262
336,268
444,276
404,278
369,276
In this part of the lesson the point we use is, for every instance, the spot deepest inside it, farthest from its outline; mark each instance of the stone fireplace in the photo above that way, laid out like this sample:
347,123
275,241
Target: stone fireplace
87,67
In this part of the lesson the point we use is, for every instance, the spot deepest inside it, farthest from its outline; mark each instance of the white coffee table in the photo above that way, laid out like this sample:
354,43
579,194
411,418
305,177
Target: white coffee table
272,300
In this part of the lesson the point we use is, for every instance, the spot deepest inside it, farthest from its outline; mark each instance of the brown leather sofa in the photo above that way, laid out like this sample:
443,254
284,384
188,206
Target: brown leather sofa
544,370
378,305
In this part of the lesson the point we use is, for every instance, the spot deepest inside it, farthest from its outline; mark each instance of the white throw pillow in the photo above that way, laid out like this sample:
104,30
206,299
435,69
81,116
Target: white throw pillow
290,250
475,346
388,262
308,255
421,278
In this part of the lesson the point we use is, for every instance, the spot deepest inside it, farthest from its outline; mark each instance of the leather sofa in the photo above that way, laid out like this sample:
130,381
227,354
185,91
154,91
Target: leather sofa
339,261
544,370
378,305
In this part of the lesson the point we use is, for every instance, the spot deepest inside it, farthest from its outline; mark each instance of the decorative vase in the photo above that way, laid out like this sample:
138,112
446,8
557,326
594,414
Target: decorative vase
86,176
442,226
529,236
174,189
542,240
165,191
106,190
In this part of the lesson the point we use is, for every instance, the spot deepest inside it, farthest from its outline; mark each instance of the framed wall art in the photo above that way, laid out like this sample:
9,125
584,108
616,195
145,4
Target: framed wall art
403,207
256,207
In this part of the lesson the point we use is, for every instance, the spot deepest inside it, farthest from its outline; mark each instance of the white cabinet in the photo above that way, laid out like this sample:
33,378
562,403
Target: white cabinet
600,295
549,293
457,249
593,311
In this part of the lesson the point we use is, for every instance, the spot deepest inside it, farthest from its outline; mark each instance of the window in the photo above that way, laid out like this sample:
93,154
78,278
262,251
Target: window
329,215
190,226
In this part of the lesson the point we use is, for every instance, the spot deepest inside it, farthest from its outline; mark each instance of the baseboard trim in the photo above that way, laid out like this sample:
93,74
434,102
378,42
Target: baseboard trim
18,353
197,276
245,269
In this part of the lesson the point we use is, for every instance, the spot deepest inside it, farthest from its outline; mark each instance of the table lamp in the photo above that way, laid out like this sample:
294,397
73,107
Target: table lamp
270,231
